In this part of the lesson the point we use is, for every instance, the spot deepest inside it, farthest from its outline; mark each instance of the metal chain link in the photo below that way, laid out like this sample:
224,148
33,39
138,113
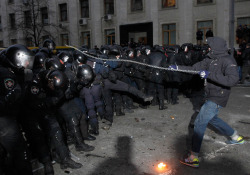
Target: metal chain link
135,62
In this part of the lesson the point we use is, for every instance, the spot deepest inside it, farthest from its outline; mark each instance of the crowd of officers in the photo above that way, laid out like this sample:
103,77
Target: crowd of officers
48,100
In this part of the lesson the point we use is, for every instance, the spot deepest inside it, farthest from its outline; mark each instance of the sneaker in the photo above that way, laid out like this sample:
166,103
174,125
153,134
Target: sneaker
187,161
239,141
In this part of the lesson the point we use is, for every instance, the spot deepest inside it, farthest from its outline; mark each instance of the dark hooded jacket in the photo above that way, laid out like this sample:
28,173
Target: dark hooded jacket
223,71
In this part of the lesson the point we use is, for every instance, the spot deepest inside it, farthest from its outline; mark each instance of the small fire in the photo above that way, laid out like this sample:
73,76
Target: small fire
162,166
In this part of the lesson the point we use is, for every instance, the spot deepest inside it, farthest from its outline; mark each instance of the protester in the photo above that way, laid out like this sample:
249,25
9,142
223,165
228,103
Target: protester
220,70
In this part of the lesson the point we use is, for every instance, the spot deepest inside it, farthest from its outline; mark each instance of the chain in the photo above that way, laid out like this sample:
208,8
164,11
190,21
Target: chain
136,62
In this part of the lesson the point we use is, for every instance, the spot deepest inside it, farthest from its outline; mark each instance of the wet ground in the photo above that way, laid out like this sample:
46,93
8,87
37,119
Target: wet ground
137,142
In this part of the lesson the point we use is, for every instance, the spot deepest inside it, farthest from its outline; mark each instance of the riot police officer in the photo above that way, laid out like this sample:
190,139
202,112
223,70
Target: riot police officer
15,71
45,95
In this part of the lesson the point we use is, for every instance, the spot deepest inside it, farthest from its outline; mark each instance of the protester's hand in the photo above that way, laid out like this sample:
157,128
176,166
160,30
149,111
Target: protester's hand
173,67
204,74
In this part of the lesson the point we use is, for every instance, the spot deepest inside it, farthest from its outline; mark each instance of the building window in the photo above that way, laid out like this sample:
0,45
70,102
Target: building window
63,12
44,15
85,39
27,18
109,6
243,30
45,37
13,41
110,36
168,3
244,21
204,1
12,21
169,34
204,26
29,42
64,39
136,5
0,23
1,43
84,8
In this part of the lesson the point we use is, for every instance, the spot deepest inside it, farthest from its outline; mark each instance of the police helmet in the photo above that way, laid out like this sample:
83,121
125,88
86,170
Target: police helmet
57,80
65,57
79,57
50,44
54,63
114,50
39,60
85,74
105,49
19,56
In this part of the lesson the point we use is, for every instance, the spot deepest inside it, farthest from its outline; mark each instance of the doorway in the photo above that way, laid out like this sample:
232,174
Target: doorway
138,33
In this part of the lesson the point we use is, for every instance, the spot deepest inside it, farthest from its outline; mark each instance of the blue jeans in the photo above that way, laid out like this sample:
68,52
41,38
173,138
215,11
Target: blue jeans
208,114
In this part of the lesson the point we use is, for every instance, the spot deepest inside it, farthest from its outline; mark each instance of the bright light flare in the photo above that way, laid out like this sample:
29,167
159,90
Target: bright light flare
162,165
162,168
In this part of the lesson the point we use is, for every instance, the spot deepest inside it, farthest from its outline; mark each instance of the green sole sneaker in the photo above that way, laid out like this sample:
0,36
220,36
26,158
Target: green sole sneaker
239,141
192,163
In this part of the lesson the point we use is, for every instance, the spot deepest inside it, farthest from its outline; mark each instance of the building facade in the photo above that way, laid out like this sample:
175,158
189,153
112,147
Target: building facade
99,22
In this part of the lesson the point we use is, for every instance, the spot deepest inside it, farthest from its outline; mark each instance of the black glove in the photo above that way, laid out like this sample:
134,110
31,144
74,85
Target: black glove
112,77
13,96
69,94
28,75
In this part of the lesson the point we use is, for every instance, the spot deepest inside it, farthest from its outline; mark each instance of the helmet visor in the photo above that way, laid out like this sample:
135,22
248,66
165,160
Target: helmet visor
24,60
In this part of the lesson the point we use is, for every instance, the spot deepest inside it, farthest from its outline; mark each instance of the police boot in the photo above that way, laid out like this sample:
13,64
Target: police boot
80,145
75,131
48,168
147,98
94,126
70,139
89,138
118,112
154,102
69,163
161,105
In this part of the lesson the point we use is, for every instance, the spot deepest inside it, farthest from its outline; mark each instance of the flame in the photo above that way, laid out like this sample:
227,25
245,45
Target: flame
162,168
162,165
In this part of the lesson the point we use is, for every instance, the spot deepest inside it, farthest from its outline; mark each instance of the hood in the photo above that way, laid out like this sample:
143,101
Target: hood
218,46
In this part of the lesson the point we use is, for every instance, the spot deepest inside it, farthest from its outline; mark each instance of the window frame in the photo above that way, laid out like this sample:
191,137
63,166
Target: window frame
109,36
12,20
88,38
29,42
1,28
204,4
63,11
44,16
204,29
169,34
82,7
62,39
105,8
27,18
1,43
11,1
170,7
136,11
242,18
13,41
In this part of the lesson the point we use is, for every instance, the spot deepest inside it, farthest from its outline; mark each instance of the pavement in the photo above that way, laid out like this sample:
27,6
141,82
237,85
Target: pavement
137,142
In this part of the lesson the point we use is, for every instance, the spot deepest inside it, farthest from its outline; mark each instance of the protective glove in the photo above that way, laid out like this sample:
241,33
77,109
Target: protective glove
173,67
28,75
68,93
204,74
112,77
13,96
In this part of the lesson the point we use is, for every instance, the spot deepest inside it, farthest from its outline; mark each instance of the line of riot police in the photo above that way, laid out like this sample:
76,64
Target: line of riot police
49,101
